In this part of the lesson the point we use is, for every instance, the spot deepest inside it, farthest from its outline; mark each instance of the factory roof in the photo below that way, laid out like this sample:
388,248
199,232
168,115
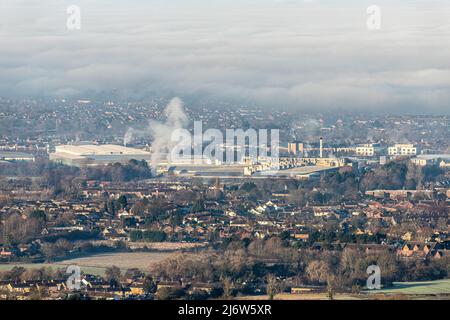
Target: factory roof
14,154
305,170
99,150
433,156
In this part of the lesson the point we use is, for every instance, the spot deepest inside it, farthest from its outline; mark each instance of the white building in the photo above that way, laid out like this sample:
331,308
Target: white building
402,150
444,164
368,150
432,159
15,156
92,155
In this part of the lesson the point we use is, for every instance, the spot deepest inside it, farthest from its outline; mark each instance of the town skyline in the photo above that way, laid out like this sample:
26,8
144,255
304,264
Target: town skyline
234,158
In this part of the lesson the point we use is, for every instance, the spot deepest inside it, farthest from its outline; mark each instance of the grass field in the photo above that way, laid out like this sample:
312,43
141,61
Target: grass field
439,289
418,288
98,263
306,296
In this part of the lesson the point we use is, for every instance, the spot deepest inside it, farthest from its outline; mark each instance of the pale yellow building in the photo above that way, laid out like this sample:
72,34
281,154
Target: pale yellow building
402,150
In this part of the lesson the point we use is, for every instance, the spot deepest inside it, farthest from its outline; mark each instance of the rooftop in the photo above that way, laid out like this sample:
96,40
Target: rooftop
99,150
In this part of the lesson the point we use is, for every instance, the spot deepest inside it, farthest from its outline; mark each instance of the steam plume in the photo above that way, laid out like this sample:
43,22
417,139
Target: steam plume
161,132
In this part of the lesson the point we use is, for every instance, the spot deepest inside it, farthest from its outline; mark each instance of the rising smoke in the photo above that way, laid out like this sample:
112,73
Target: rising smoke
129,135
161,132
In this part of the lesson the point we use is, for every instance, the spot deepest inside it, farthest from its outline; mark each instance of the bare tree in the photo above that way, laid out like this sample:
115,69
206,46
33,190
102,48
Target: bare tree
227,287
273,286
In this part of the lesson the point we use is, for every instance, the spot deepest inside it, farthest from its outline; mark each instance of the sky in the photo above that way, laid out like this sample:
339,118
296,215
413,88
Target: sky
299,54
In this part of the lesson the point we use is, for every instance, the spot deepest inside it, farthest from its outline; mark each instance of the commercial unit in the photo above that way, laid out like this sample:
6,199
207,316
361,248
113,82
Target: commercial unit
94,155
15,156
296,147
402,150
431,159
368,150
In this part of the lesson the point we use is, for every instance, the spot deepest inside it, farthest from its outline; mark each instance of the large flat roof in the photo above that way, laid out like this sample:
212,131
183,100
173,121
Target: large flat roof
306,170
433,156
15,154
99,150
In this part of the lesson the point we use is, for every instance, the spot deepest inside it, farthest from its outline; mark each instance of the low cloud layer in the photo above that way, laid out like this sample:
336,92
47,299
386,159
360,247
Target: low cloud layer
305,55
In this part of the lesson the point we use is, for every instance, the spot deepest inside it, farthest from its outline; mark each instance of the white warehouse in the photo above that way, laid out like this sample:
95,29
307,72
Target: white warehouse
94,155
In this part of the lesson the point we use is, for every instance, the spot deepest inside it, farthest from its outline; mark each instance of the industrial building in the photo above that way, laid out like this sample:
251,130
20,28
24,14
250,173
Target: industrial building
402,150
369,150
299,167
431,159
15,156
94,155
295,147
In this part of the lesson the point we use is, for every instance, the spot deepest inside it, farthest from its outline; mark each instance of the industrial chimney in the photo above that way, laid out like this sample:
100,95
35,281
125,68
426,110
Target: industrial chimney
321,147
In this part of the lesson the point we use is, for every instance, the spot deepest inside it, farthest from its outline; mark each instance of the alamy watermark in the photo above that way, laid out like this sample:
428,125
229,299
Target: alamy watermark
250,147
374,280
74,18
374,20
73,282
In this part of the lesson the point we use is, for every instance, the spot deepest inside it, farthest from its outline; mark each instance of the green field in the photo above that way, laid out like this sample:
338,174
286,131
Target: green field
98,263
418,288
439,289
54,266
